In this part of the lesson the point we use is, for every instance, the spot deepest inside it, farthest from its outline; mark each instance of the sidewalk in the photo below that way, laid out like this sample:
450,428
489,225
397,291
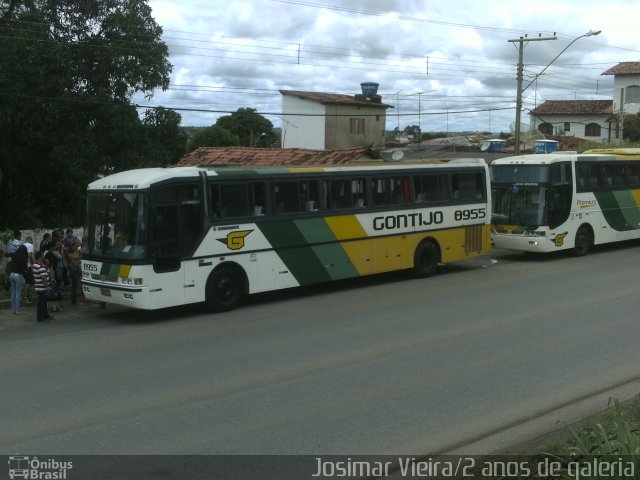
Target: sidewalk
67,311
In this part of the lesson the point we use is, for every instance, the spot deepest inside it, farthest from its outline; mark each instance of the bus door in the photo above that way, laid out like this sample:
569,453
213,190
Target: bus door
177,223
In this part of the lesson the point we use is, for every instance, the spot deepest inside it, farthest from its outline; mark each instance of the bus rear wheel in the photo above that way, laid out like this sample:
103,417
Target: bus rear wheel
224,289
583,242
425,260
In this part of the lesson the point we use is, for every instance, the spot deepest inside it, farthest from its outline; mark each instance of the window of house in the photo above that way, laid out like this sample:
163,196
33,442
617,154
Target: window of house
567,126
356,125
632,94
592,130
545,128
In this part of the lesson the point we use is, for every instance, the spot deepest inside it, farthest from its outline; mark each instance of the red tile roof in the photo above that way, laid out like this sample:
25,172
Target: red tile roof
574,107
270,156
335,99
624,68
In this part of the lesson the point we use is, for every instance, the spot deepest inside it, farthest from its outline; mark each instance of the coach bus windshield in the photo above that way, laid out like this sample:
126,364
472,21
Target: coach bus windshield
116,226
531,195
519,193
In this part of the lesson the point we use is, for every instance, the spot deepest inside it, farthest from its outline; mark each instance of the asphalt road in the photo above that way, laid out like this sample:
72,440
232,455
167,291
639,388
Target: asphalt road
385,365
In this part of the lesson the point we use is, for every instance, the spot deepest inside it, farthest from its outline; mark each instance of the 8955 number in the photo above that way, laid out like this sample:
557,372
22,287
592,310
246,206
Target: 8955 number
470,214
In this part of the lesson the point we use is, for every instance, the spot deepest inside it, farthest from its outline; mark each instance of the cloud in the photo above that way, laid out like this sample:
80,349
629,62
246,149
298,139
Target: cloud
230,55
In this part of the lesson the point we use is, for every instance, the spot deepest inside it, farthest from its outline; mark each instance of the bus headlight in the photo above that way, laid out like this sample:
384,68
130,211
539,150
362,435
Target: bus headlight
131,281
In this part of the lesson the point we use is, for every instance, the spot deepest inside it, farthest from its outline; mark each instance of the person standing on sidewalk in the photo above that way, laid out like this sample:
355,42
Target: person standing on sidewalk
28,287
18,267
41,278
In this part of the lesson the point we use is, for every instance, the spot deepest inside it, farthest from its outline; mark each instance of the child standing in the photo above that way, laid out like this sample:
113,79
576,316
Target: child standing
41,279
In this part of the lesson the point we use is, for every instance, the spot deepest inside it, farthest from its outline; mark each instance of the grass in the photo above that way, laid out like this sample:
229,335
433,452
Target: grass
616,431
605,445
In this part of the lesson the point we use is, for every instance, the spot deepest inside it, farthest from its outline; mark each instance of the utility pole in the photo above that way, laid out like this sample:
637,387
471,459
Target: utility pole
621,118
521,42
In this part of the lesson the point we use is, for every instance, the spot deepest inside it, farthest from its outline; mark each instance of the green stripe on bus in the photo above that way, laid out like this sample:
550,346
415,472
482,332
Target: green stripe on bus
110,269
292,246
335,261
619,209
326,247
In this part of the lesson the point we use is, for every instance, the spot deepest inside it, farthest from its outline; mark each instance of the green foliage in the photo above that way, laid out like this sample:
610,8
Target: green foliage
631,129
69,69
617,439
251,128
213,136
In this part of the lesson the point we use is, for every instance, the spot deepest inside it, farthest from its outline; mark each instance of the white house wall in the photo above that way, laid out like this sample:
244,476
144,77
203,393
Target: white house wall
305,130
620,82
577,124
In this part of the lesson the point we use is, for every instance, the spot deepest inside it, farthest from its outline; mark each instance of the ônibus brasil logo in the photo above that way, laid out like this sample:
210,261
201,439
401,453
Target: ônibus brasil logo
37,469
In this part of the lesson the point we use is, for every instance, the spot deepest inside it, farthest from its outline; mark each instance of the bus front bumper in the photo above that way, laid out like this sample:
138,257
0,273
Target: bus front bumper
523,243
137,297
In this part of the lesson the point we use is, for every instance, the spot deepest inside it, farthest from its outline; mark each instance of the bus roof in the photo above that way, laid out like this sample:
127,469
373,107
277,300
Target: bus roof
615,151
549,158
145,177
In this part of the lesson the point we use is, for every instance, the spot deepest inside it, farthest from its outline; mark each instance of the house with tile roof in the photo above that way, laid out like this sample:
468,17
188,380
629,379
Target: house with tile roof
595,120
328,121
274,157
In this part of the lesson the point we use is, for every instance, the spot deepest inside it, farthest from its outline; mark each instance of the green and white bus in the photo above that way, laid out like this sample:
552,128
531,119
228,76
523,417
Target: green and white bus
163,237
565,200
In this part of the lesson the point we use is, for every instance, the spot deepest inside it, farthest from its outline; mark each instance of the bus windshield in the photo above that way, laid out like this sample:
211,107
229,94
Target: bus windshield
116,226
519,205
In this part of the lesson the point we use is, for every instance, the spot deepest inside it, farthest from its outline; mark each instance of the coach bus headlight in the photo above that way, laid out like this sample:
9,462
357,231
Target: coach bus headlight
131,281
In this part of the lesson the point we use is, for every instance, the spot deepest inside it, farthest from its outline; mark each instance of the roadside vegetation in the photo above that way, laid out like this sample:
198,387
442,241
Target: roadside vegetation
609,440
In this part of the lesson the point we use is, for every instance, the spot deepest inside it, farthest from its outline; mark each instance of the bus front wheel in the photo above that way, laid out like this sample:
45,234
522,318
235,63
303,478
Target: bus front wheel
425,260
583,242
224,289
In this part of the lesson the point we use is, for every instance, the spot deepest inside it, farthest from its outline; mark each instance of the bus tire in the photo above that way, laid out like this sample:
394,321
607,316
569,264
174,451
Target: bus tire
582,244
225,289
425,260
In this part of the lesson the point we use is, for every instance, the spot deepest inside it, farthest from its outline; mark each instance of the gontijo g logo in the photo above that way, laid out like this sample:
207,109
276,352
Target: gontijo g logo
235,240
35,469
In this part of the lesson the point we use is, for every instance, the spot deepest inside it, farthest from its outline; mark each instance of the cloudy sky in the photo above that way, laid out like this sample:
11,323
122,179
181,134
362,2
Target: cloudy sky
445,65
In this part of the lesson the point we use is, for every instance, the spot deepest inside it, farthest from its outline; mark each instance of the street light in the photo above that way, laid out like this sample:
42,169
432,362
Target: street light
590,33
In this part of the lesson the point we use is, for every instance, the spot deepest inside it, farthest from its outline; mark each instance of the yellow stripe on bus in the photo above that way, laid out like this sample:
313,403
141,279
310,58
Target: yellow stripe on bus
124,270
345,227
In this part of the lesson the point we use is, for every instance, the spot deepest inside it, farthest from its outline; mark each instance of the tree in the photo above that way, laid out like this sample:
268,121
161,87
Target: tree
165,140
413,130
631,128
69,70
251,128
213,136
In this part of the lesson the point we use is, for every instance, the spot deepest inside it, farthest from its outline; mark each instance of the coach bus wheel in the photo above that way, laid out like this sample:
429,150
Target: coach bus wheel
224,289
425,260
583,242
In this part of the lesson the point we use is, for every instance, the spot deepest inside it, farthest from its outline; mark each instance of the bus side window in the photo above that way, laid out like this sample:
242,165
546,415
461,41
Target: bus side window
234,201
309,196
258,198
633,174
285,197
386,191
467,186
